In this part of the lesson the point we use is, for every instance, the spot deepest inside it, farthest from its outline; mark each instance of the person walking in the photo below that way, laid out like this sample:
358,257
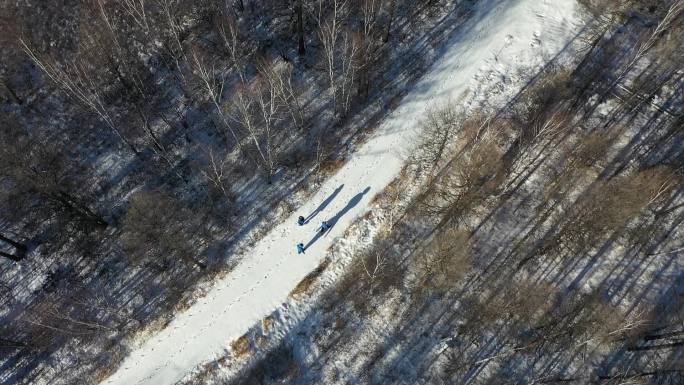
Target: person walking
324,227
300,248
301,221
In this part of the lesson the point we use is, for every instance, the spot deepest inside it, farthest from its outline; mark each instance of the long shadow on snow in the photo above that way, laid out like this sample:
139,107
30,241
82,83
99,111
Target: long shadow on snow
324,204
332,221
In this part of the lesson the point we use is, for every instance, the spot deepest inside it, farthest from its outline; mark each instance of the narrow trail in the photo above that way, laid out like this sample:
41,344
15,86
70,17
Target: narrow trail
503,35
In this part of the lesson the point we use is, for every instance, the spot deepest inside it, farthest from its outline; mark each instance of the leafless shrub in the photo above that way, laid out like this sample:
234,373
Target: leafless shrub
445,260
470,179
74,78
439,130
610,205
539,104
592,148
218,171
305,284
581,320
153,231
279,364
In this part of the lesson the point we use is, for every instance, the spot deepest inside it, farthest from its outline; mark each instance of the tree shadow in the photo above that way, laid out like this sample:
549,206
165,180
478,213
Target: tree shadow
332,221
324,204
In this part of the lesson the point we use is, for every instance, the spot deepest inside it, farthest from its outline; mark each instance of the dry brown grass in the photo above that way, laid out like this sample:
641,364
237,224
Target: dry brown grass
104,372
241,347
592,148
304,285
328,167
395,190
267,324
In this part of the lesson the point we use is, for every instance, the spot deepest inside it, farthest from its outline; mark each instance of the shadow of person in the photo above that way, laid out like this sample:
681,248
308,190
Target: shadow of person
324,204
333,221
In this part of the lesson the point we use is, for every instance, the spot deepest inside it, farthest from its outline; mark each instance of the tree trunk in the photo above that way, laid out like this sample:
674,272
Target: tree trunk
389,22
75,207
300,28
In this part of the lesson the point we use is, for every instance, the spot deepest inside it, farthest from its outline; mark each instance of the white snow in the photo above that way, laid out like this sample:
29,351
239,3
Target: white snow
502,36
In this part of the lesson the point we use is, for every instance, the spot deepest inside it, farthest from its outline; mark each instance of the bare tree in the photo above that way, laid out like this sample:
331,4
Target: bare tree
439,129
368,42
40,182
212,82
351,51
257,108
174,28
136,9
235,45
610,206
154,230
476,173
668,20
445,260
301,48
390,18
278,75
217,171
329,31
74,79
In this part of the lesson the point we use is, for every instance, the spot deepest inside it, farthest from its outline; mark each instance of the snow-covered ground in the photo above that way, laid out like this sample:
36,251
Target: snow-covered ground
501,38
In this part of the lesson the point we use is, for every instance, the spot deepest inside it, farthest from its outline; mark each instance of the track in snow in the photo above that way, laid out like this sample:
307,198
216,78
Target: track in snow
501,37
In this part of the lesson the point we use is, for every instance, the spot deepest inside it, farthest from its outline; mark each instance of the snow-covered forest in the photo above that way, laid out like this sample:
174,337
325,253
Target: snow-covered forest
503,183
148,143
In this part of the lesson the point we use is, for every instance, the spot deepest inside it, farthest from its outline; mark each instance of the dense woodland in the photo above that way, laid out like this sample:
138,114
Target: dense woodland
145,142
542,243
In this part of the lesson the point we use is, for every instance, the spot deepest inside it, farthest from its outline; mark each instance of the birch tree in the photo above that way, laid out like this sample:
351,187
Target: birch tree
329,31
352,50
368,42
73,78
247,108
217,172
234,44
169,10
668,20
212,83
278,76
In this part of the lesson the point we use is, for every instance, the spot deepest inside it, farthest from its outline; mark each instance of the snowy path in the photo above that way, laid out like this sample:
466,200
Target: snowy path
501,37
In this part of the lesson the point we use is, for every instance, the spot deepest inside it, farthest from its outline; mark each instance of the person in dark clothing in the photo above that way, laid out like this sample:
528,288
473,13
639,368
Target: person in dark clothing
300,248
324,227
301,220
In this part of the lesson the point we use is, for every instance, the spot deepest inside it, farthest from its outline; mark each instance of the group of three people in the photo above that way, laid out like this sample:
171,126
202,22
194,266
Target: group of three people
322,229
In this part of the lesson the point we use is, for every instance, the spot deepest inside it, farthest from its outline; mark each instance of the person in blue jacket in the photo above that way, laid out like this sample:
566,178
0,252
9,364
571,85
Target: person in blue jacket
301,221
300,248
324,227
